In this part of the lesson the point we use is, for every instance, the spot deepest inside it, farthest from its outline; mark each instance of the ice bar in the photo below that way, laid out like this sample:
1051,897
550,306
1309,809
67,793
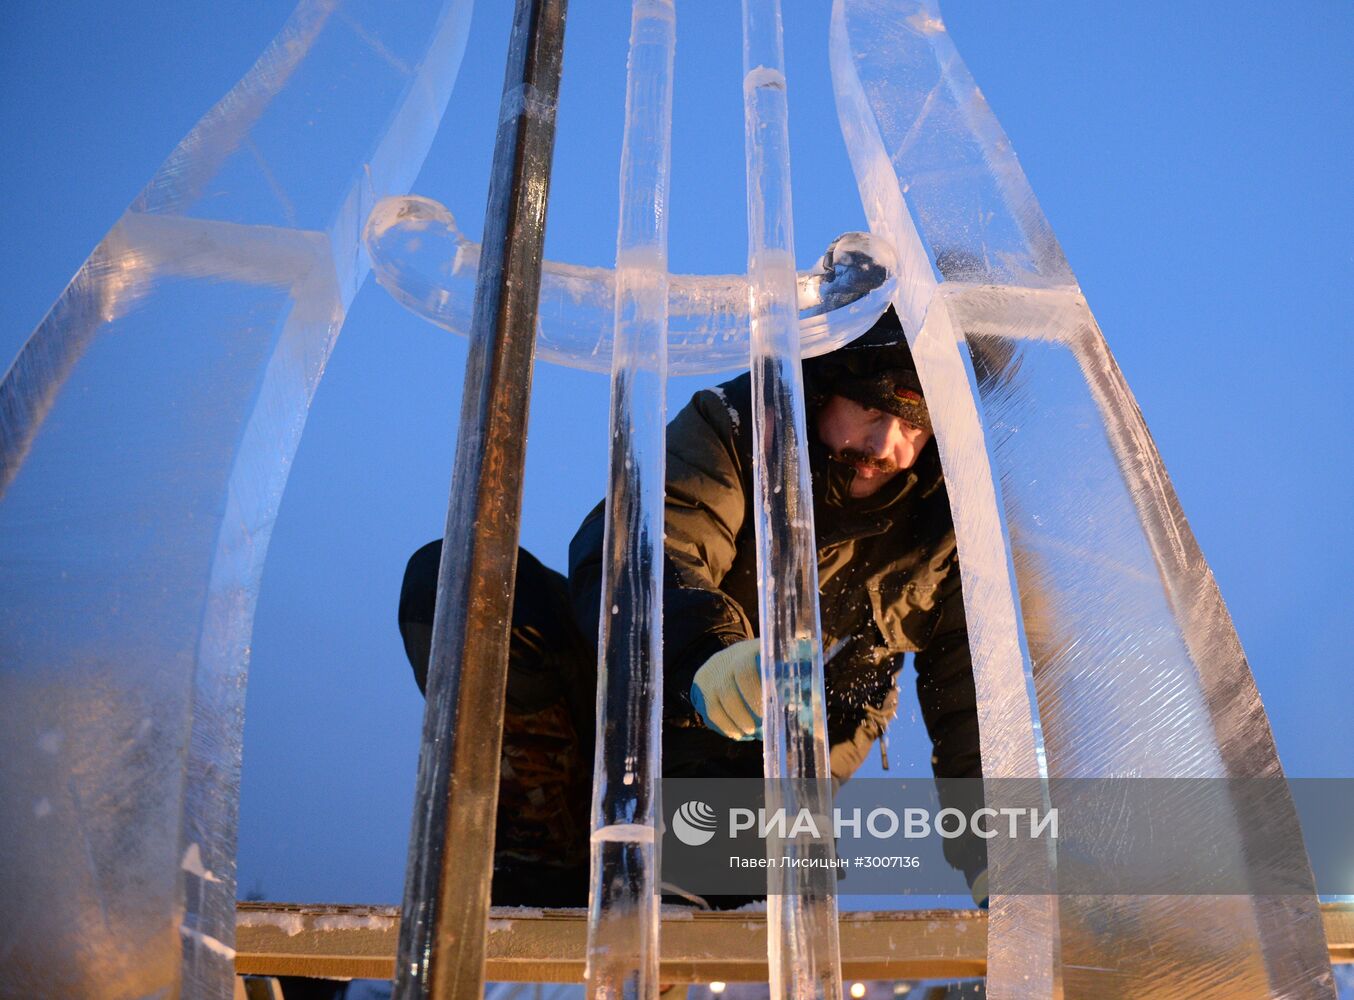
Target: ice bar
1132,661
146,432
802,939
423,259
623,901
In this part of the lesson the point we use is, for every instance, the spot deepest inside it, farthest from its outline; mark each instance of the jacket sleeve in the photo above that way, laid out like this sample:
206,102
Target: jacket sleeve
945,690
705,512
949,707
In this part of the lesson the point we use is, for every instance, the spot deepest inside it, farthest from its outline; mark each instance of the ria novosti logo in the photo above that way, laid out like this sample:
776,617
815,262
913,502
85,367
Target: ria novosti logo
694,823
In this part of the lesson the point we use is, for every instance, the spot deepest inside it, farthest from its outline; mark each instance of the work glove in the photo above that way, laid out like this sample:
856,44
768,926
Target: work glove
978,890
727,691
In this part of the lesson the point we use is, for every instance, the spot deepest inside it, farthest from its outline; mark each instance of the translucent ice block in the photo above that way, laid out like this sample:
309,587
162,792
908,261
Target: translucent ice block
429,266
623,902
1135,667
802,942
146,431
1024,929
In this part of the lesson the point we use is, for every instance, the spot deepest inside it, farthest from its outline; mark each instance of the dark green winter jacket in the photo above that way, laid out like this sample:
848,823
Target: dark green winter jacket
888,584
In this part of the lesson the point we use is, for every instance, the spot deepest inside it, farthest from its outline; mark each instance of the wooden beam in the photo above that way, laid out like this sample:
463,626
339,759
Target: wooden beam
526,945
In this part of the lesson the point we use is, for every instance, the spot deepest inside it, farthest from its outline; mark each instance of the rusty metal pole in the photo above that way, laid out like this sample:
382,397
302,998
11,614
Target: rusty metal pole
446,896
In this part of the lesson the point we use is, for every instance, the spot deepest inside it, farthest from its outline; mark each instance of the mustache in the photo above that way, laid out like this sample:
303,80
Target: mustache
851,456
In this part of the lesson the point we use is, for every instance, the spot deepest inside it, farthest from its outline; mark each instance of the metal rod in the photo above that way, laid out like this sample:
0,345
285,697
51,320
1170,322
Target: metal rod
446,900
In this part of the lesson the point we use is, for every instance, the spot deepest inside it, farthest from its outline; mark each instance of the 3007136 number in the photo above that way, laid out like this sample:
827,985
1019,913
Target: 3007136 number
888,861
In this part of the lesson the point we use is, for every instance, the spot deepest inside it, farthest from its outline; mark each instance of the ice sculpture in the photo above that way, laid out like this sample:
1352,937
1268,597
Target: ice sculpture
1134,666
203,322
802,947
146,431
422,258
623,900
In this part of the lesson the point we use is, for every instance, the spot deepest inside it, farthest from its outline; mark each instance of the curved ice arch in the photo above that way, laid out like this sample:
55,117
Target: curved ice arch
420,256
1132,666
146,431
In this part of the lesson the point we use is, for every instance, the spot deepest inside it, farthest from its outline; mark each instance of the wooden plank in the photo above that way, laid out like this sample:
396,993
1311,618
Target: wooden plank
1339,921
525,945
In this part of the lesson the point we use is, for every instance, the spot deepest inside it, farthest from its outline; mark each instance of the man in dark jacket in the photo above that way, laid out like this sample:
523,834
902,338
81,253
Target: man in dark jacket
889,584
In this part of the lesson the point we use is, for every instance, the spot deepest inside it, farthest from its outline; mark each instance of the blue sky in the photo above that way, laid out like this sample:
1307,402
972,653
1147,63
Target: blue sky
1194,165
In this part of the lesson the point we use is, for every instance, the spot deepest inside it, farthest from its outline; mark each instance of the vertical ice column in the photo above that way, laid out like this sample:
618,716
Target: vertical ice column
623,903
451,845
146,432
1023,930
802,948
1136,667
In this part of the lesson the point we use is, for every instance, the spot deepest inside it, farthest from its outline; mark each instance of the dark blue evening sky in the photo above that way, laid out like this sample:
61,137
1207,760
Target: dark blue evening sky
1193,159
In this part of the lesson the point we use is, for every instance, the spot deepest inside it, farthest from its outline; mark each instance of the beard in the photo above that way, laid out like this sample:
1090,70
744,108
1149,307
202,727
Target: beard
853,458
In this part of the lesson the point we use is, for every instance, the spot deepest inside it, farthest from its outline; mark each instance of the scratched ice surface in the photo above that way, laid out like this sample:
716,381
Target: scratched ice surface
1113,654
146,431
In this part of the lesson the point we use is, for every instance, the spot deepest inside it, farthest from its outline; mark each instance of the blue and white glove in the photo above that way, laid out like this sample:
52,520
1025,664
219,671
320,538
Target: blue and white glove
727,691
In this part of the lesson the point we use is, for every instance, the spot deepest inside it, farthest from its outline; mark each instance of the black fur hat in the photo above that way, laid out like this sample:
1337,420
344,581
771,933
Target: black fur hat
876,369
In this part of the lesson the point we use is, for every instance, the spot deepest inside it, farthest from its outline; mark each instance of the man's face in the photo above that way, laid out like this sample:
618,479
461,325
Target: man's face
876,444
